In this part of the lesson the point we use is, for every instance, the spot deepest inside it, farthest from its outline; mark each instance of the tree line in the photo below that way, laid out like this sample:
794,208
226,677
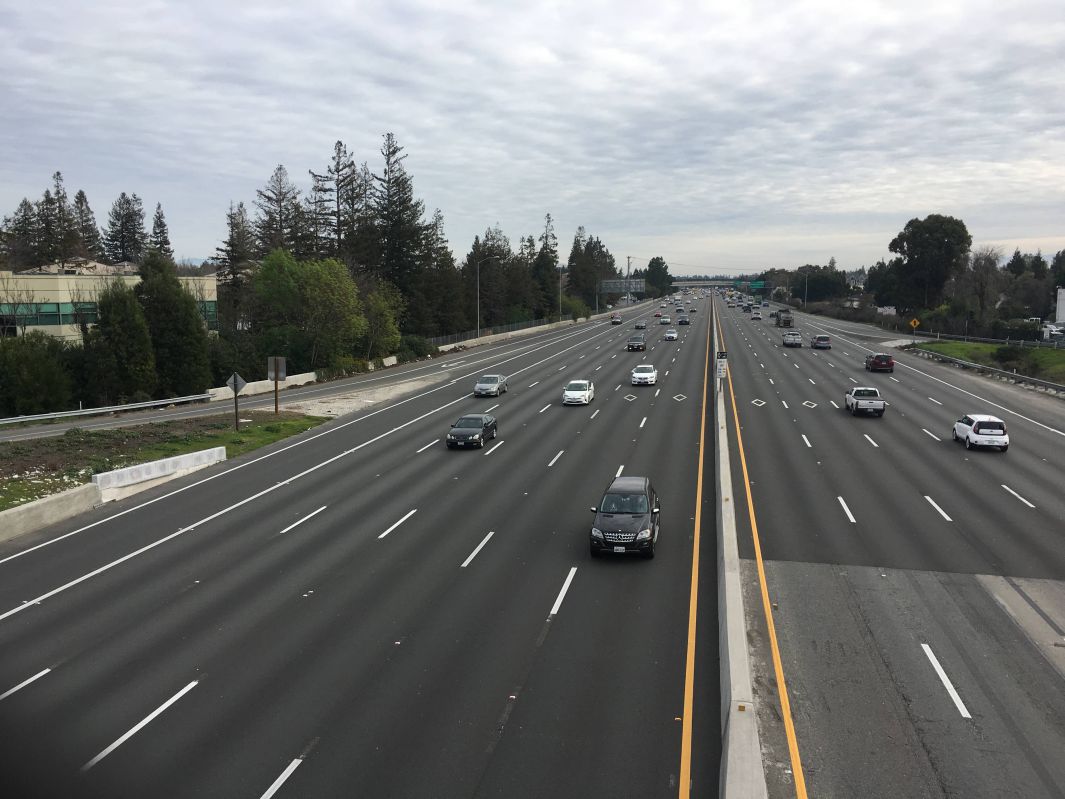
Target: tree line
334,277
936,276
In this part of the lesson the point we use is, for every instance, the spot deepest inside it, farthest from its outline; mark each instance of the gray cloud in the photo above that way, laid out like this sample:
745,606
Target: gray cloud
764,133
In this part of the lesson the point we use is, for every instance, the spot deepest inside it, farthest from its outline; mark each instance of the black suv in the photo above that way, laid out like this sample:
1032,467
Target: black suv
626,520
637,342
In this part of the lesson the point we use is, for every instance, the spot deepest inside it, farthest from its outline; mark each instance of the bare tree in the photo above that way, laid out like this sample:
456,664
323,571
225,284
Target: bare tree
20,299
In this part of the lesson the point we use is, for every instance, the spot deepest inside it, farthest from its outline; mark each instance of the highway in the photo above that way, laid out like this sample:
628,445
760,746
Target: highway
361,612
916,587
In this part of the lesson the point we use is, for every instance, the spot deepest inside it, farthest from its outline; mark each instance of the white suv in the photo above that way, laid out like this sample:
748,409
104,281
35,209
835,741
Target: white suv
981,430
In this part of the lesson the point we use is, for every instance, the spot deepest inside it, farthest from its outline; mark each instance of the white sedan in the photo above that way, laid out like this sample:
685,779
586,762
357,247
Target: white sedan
578,392
671,335
644,375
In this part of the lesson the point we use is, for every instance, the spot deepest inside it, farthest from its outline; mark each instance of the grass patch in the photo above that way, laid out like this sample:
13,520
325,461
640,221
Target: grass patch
1043,363
36,468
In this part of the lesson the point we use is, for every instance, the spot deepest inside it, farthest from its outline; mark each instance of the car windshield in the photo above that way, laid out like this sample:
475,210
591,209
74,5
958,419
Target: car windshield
489,379
577,385
624,503
469,421
644,369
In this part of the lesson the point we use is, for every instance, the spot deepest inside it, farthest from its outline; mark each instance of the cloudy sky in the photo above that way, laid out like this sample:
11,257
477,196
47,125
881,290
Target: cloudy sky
724,136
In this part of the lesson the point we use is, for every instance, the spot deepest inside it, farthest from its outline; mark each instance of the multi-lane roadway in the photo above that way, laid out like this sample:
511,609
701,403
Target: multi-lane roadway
362,612
916,587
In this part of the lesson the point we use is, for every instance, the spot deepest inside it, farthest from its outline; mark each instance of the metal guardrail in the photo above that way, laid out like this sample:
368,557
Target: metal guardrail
1009,342
40,417
1015,376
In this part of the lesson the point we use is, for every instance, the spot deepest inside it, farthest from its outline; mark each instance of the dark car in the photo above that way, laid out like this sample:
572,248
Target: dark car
683,320
627,518
641,325
637,342
472,430
880,362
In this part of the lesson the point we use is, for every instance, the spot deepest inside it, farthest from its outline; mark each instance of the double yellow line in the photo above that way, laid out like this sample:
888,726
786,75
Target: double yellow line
689,664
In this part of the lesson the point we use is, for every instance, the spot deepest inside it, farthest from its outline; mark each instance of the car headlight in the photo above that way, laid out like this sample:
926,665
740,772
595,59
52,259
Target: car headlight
597,534
476,436
643,535
450,436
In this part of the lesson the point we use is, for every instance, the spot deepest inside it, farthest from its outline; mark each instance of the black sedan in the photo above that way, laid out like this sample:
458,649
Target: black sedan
472,430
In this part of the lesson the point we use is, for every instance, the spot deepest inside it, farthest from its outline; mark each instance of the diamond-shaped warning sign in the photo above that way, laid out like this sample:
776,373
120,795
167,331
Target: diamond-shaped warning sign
630,397
758,402
679,397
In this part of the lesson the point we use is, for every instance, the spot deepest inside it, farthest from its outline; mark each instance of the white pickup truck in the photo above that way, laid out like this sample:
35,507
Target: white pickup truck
865,399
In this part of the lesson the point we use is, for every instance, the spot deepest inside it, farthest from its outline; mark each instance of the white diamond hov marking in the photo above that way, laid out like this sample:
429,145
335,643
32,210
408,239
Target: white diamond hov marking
810,404
757,402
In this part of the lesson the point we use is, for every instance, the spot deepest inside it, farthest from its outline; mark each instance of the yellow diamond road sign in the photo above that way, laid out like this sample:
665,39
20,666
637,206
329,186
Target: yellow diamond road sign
914,323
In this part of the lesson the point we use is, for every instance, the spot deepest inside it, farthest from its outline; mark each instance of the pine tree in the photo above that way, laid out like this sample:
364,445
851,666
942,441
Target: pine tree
125,238
333,197
160,238
398,216
120,365
545,270
278,203
235,256
178,333
90,245
21,238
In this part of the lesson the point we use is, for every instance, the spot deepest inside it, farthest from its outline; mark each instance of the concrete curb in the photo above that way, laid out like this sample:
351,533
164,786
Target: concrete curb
105,487
742,773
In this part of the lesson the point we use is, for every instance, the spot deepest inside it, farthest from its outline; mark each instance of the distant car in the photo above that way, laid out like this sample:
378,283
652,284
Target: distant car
981,430
615,319
637,342
671,335
472,430
683,320
578,392
880,362
820,342
693,309
626,518
731,304
792,339
765,304
756,316
665,320
644,375
663,305
658,314
747,308
490,386
641,325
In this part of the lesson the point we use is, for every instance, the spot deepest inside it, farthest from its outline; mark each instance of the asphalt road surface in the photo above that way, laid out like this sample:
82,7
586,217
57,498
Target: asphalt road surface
361,612
916,586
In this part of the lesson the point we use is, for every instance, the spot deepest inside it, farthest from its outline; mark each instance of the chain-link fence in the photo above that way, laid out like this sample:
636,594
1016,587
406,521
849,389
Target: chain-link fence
487,331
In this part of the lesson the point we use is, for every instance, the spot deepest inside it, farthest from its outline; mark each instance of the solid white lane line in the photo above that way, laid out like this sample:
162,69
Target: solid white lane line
397,524
562,593
534,385
621,468
559,455
784,403
423,449
301,521
497,445
23,684
937,438
937,402
595,414
643,422
480,546
544,408
804,438
871,441
833,404
946,682
932,502
281,780
846,510
1022,499
140,725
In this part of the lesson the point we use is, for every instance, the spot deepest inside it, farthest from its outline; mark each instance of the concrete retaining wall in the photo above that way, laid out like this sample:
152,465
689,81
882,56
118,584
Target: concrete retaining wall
262,386
43,512
116,484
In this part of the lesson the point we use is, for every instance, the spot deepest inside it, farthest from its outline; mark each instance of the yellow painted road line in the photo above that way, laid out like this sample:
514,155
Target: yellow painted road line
693,605
778,667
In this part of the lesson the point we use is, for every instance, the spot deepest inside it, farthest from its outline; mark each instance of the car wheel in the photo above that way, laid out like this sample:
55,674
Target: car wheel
968,443
1003,449
891,370
593,551
650,551
953,434
879,413
854,410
